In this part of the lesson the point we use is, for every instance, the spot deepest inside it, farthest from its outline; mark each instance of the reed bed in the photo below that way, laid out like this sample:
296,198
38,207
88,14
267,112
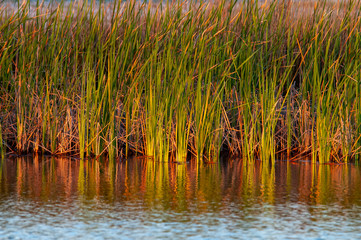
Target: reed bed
172,80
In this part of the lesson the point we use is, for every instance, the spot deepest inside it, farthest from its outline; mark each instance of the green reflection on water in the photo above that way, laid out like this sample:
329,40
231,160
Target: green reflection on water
180,187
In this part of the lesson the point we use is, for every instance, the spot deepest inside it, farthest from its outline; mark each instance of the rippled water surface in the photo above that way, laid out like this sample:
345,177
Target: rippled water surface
71,199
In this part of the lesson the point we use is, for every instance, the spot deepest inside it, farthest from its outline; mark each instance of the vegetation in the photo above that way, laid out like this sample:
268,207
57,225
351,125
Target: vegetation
177,79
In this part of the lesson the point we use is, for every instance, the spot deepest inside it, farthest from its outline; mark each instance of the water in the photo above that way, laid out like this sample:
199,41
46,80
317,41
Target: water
69,199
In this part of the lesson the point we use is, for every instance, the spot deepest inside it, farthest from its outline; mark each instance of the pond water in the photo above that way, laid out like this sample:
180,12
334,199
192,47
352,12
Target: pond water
48,198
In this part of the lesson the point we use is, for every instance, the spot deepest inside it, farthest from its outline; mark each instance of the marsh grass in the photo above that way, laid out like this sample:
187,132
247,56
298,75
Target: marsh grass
173,80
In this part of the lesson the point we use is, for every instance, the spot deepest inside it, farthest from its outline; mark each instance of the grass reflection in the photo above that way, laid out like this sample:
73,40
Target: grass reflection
180,187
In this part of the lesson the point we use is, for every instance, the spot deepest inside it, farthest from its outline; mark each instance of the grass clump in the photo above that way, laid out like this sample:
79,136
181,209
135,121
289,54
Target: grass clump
177,79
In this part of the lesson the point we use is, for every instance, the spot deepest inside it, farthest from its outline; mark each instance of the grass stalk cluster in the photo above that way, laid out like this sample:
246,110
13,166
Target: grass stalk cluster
179,79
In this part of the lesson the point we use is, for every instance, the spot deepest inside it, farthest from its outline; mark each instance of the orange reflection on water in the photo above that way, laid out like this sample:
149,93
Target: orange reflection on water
178,187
